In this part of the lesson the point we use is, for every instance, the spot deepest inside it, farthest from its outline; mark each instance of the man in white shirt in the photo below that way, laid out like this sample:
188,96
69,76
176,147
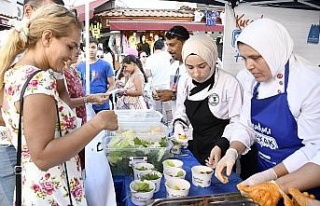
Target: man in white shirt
158,70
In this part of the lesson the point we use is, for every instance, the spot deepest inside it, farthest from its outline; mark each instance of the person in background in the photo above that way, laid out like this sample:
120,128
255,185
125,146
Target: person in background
101,77
109,56
158,70
49,28
143,45
75,89
127,51
143,58
131,96
280,114
147,87
175,38
211,101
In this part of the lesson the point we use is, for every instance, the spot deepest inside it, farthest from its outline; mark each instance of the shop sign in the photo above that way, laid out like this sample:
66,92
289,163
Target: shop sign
95,30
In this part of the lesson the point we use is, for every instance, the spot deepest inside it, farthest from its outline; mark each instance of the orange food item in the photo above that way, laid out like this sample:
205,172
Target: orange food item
265,194
268,194
299,198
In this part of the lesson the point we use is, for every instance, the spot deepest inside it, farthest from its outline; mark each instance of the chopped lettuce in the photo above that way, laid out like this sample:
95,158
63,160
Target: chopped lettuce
125,145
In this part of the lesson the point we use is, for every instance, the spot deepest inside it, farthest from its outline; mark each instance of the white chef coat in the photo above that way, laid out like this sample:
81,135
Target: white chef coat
303,90
226,87
303,99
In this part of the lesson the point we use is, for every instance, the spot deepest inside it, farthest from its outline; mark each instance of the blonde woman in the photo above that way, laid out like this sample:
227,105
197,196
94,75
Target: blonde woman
49,39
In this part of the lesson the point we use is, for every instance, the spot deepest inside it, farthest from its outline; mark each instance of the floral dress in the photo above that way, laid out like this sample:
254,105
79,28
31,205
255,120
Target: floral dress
42,187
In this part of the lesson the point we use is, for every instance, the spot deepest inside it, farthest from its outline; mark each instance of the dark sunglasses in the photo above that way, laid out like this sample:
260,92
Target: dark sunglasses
171,35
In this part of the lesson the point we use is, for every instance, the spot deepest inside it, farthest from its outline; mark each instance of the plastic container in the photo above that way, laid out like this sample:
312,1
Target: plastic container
134,143
142,198
201,175
140,115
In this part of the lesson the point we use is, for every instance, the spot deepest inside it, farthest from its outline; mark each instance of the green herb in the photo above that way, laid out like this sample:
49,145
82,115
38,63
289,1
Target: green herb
176,187
140,142
141,187
179,174
143,168
150,176
169,163
163,141
206,172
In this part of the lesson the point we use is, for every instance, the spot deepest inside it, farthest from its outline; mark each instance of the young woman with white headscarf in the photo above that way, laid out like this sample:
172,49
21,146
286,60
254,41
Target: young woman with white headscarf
281,113
211,100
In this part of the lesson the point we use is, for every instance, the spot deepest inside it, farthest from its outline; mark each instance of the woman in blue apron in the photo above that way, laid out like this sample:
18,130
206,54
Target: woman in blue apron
210,102
280,114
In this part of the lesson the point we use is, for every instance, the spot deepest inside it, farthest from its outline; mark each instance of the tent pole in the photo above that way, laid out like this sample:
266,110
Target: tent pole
87,36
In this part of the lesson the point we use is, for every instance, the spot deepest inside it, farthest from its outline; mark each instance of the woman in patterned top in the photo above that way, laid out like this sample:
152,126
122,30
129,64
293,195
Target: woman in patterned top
49,39
74,86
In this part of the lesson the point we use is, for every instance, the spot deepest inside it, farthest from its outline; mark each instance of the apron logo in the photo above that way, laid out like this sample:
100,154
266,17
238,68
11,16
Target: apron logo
266,141
214,99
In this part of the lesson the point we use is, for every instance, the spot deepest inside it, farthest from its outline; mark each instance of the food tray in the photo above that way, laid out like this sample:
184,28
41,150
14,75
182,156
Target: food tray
141,115
230,199
136,142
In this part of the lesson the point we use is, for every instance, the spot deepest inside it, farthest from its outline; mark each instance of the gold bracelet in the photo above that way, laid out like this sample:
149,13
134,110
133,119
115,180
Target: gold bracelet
85,99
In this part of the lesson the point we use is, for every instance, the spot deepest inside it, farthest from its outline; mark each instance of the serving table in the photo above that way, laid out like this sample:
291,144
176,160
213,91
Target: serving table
216,187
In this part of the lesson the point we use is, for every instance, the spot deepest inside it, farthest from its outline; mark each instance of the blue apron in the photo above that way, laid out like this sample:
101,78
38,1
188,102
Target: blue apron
276,130
275,127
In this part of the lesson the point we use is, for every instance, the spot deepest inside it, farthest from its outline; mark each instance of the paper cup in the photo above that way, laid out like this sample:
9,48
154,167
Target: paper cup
141,198
150,177
201,176
168,163
174,173
177,188
141,168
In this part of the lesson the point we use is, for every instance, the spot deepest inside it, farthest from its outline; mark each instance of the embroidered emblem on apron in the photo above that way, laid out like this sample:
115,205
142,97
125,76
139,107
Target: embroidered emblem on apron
214,99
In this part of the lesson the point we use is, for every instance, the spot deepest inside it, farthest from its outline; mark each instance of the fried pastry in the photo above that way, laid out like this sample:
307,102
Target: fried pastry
301,199
265,194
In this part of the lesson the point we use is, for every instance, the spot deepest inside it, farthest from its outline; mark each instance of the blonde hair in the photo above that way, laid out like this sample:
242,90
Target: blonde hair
55,18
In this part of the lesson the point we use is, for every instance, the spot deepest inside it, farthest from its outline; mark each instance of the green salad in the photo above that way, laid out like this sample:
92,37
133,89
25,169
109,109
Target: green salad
124,146
141,187
150,176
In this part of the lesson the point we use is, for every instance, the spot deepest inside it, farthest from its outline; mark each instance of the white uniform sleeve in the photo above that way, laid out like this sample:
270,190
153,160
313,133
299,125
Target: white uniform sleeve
234,100
306,110
242,131
316,158
181,97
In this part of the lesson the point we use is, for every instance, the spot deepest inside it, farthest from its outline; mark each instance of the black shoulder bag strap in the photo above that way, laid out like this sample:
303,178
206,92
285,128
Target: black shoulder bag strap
65,164
17,168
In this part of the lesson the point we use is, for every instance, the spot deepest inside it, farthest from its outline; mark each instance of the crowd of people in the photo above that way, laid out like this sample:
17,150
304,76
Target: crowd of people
270,107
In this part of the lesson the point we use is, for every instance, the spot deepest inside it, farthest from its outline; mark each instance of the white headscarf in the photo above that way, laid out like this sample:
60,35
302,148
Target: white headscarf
203,46
271,40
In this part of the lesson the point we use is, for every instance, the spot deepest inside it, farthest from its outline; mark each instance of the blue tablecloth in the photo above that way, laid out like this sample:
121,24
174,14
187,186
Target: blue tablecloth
123,190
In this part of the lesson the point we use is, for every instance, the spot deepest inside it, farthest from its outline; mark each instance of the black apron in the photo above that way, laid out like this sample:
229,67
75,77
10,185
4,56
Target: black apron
207,128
